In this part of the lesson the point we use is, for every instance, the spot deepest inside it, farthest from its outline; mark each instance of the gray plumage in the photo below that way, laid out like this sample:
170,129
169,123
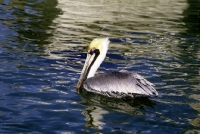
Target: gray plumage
120,84
115,84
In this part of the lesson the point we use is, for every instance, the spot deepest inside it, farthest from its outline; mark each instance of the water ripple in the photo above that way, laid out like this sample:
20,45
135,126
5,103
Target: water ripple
43,49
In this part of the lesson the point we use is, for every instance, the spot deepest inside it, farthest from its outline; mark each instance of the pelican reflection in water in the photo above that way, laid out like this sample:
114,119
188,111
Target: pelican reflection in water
118,84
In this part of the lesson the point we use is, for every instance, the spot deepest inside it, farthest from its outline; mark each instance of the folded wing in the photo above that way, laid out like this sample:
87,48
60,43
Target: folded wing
120,84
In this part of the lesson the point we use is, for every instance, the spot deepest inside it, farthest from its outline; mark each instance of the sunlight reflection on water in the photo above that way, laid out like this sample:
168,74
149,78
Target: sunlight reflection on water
43,48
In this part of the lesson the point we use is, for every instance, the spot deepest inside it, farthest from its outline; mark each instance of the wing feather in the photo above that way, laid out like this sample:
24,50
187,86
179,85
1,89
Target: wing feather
120,84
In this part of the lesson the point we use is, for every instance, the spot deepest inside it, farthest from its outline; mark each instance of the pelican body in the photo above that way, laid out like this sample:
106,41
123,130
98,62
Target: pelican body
119,84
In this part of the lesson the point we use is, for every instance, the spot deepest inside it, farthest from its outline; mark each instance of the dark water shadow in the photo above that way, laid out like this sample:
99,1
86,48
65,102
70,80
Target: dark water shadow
189,50
99,107
192,23
122,105
191,17
33,23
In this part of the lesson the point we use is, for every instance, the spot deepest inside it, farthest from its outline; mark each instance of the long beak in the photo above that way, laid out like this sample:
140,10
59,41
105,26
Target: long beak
88,62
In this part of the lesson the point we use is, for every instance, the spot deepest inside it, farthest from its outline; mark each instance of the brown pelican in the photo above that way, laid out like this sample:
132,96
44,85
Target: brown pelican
119,84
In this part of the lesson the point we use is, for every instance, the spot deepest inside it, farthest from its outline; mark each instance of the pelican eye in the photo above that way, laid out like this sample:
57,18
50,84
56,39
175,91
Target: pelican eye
93,50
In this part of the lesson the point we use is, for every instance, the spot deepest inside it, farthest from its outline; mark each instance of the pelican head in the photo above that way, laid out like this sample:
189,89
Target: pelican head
97,50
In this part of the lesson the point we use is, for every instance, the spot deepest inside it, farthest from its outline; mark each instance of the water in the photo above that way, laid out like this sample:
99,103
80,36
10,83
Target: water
43,47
